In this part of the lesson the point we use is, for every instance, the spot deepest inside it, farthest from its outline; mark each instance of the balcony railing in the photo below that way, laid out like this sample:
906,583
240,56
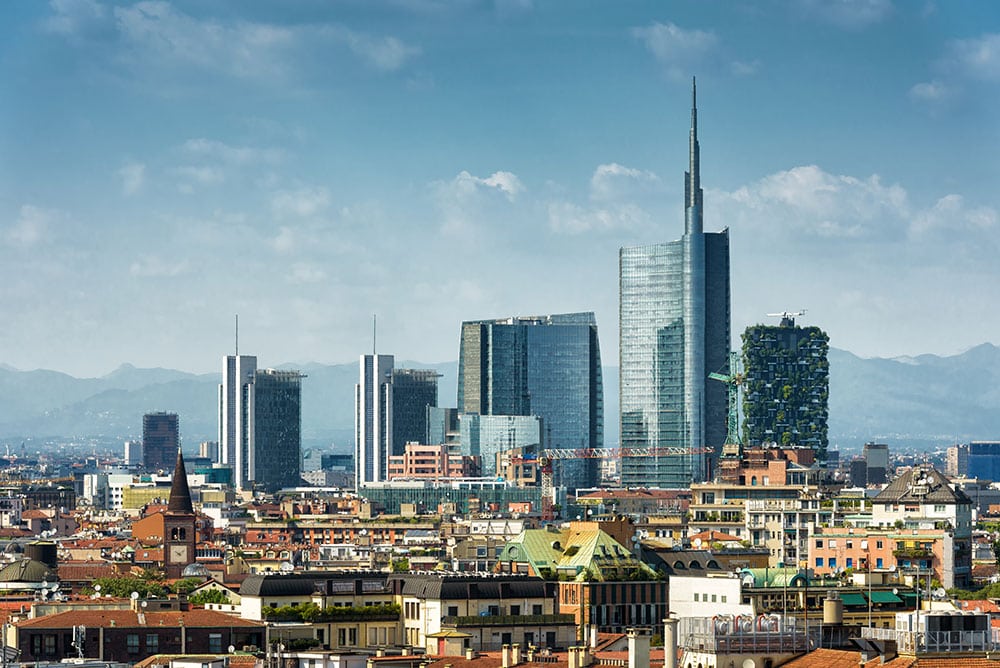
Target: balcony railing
507,620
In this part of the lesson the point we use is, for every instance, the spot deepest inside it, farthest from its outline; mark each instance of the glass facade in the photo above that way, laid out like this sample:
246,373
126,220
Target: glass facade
547,366
984,460
277,426
373,418
413,392
673,331
487,435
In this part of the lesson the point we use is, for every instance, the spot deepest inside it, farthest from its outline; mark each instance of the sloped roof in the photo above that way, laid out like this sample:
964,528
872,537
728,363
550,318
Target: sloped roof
587,554
194,618
921,484
27,570
180,493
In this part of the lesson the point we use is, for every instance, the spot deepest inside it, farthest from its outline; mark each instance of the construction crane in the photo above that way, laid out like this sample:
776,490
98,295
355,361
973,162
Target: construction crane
787,317
734,379
545,456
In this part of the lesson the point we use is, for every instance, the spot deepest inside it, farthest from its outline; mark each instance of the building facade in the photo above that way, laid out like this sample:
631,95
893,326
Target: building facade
234,414
674,329
545,366
275,426
984,460
786,388
373,419
413,392
160,440
486,436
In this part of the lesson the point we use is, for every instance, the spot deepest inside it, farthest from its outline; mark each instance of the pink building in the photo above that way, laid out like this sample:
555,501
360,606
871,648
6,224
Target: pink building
432,461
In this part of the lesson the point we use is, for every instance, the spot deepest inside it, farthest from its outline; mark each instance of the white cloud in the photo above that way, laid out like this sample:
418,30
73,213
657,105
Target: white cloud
743,68
677,49
950,213
467,200
386,53
132,175
201,175
929,91
976,57
285,241
848,14
302,202
75,18
505,182
303,273
613,180
213,149
153,266
572,219
31,227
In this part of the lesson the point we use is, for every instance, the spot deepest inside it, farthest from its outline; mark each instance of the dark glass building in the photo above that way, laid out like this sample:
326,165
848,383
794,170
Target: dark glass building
547,366
984,460
160,441
413,392
674,330
276,426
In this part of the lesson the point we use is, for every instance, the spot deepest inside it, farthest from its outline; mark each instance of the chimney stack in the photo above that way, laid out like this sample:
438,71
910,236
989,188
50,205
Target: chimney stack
505,656
515,654
670,642
638,648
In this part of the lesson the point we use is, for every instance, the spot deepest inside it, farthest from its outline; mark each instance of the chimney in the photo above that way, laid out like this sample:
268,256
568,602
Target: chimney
638,648
505,656
531,653
593,637
470,654
574,662
670,642
515,654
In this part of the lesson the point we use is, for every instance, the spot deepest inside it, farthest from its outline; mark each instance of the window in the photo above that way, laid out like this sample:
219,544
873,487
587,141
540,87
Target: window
819,543
50,645
832,543
819,562
850,545
536,609
878,563
713,598
939,508
152,643
850,562
453,611
878,544
215,643
132,643
723,598
515,610
833,562
696,597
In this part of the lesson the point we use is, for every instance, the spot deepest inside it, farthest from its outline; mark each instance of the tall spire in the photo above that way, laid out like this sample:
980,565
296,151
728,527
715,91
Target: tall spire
180,494
692,178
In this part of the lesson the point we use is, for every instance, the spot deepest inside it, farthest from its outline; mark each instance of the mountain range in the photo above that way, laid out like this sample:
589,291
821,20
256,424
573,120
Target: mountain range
927,400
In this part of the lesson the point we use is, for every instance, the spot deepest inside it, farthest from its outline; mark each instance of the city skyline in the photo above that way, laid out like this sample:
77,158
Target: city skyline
331,152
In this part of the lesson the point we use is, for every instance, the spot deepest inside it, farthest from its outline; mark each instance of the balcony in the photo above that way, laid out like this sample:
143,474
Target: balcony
912,553
507,620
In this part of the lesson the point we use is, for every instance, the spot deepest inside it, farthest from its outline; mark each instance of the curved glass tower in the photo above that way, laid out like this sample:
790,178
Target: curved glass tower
674,330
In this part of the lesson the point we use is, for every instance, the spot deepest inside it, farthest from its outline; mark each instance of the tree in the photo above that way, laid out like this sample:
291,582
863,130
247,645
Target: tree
186,586
208,596
124,586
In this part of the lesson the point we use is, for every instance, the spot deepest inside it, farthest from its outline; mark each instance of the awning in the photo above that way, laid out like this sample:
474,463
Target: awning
854,599
885,597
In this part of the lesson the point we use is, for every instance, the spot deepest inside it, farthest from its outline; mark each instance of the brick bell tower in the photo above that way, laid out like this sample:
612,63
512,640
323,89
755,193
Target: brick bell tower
179,529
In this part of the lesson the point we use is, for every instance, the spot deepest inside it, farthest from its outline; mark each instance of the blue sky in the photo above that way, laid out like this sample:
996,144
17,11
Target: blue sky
307,163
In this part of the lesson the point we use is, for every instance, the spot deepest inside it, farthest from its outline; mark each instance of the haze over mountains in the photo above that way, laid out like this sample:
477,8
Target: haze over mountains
921,401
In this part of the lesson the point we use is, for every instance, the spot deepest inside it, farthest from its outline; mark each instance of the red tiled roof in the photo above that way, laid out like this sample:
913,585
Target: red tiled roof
85,570
714,536
982,606
195,617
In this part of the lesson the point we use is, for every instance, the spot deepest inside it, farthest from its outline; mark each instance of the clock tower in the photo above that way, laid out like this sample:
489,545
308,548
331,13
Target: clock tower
179,524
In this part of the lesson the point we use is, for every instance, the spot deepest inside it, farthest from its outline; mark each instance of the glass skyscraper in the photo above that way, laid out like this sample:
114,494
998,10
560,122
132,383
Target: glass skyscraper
674,329
413,392
548,366
276,425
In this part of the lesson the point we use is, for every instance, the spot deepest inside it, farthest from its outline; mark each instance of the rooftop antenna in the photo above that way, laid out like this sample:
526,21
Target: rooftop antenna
237,334
374,323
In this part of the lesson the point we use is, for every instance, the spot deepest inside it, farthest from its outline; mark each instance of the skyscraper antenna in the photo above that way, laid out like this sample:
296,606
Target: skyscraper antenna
374,323
237,334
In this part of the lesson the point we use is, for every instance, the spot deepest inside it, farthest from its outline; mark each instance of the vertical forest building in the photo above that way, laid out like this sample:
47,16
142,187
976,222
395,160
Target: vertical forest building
786,388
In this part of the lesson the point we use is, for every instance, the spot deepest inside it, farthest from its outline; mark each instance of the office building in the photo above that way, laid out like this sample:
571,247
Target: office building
210,451
160,440
485,436
413,392
984,460
957,461
674,329
373,418
546,366
133,453
442,426
876,456
786,386
275,426
234,411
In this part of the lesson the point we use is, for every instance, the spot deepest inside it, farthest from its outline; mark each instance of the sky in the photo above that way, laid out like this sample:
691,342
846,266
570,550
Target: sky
307,164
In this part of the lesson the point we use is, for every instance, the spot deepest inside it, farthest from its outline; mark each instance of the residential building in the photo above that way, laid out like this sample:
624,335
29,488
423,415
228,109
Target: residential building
160,440
786,385
133,453
919,501
674,329
132,635
432,461
210,450
413,392
546,366
234,414
373,419
487,611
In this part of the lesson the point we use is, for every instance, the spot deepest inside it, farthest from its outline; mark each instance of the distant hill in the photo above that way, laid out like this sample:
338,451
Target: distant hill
924,400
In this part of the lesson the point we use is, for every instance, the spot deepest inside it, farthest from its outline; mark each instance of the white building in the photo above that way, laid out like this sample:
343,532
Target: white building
133,453
373,418
237,374
707,595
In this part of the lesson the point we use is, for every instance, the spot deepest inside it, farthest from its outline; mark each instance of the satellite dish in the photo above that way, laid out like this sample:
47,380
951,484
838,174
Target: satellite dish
696,542
97,587
232,648
940,592
134,595
286,567
144,603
